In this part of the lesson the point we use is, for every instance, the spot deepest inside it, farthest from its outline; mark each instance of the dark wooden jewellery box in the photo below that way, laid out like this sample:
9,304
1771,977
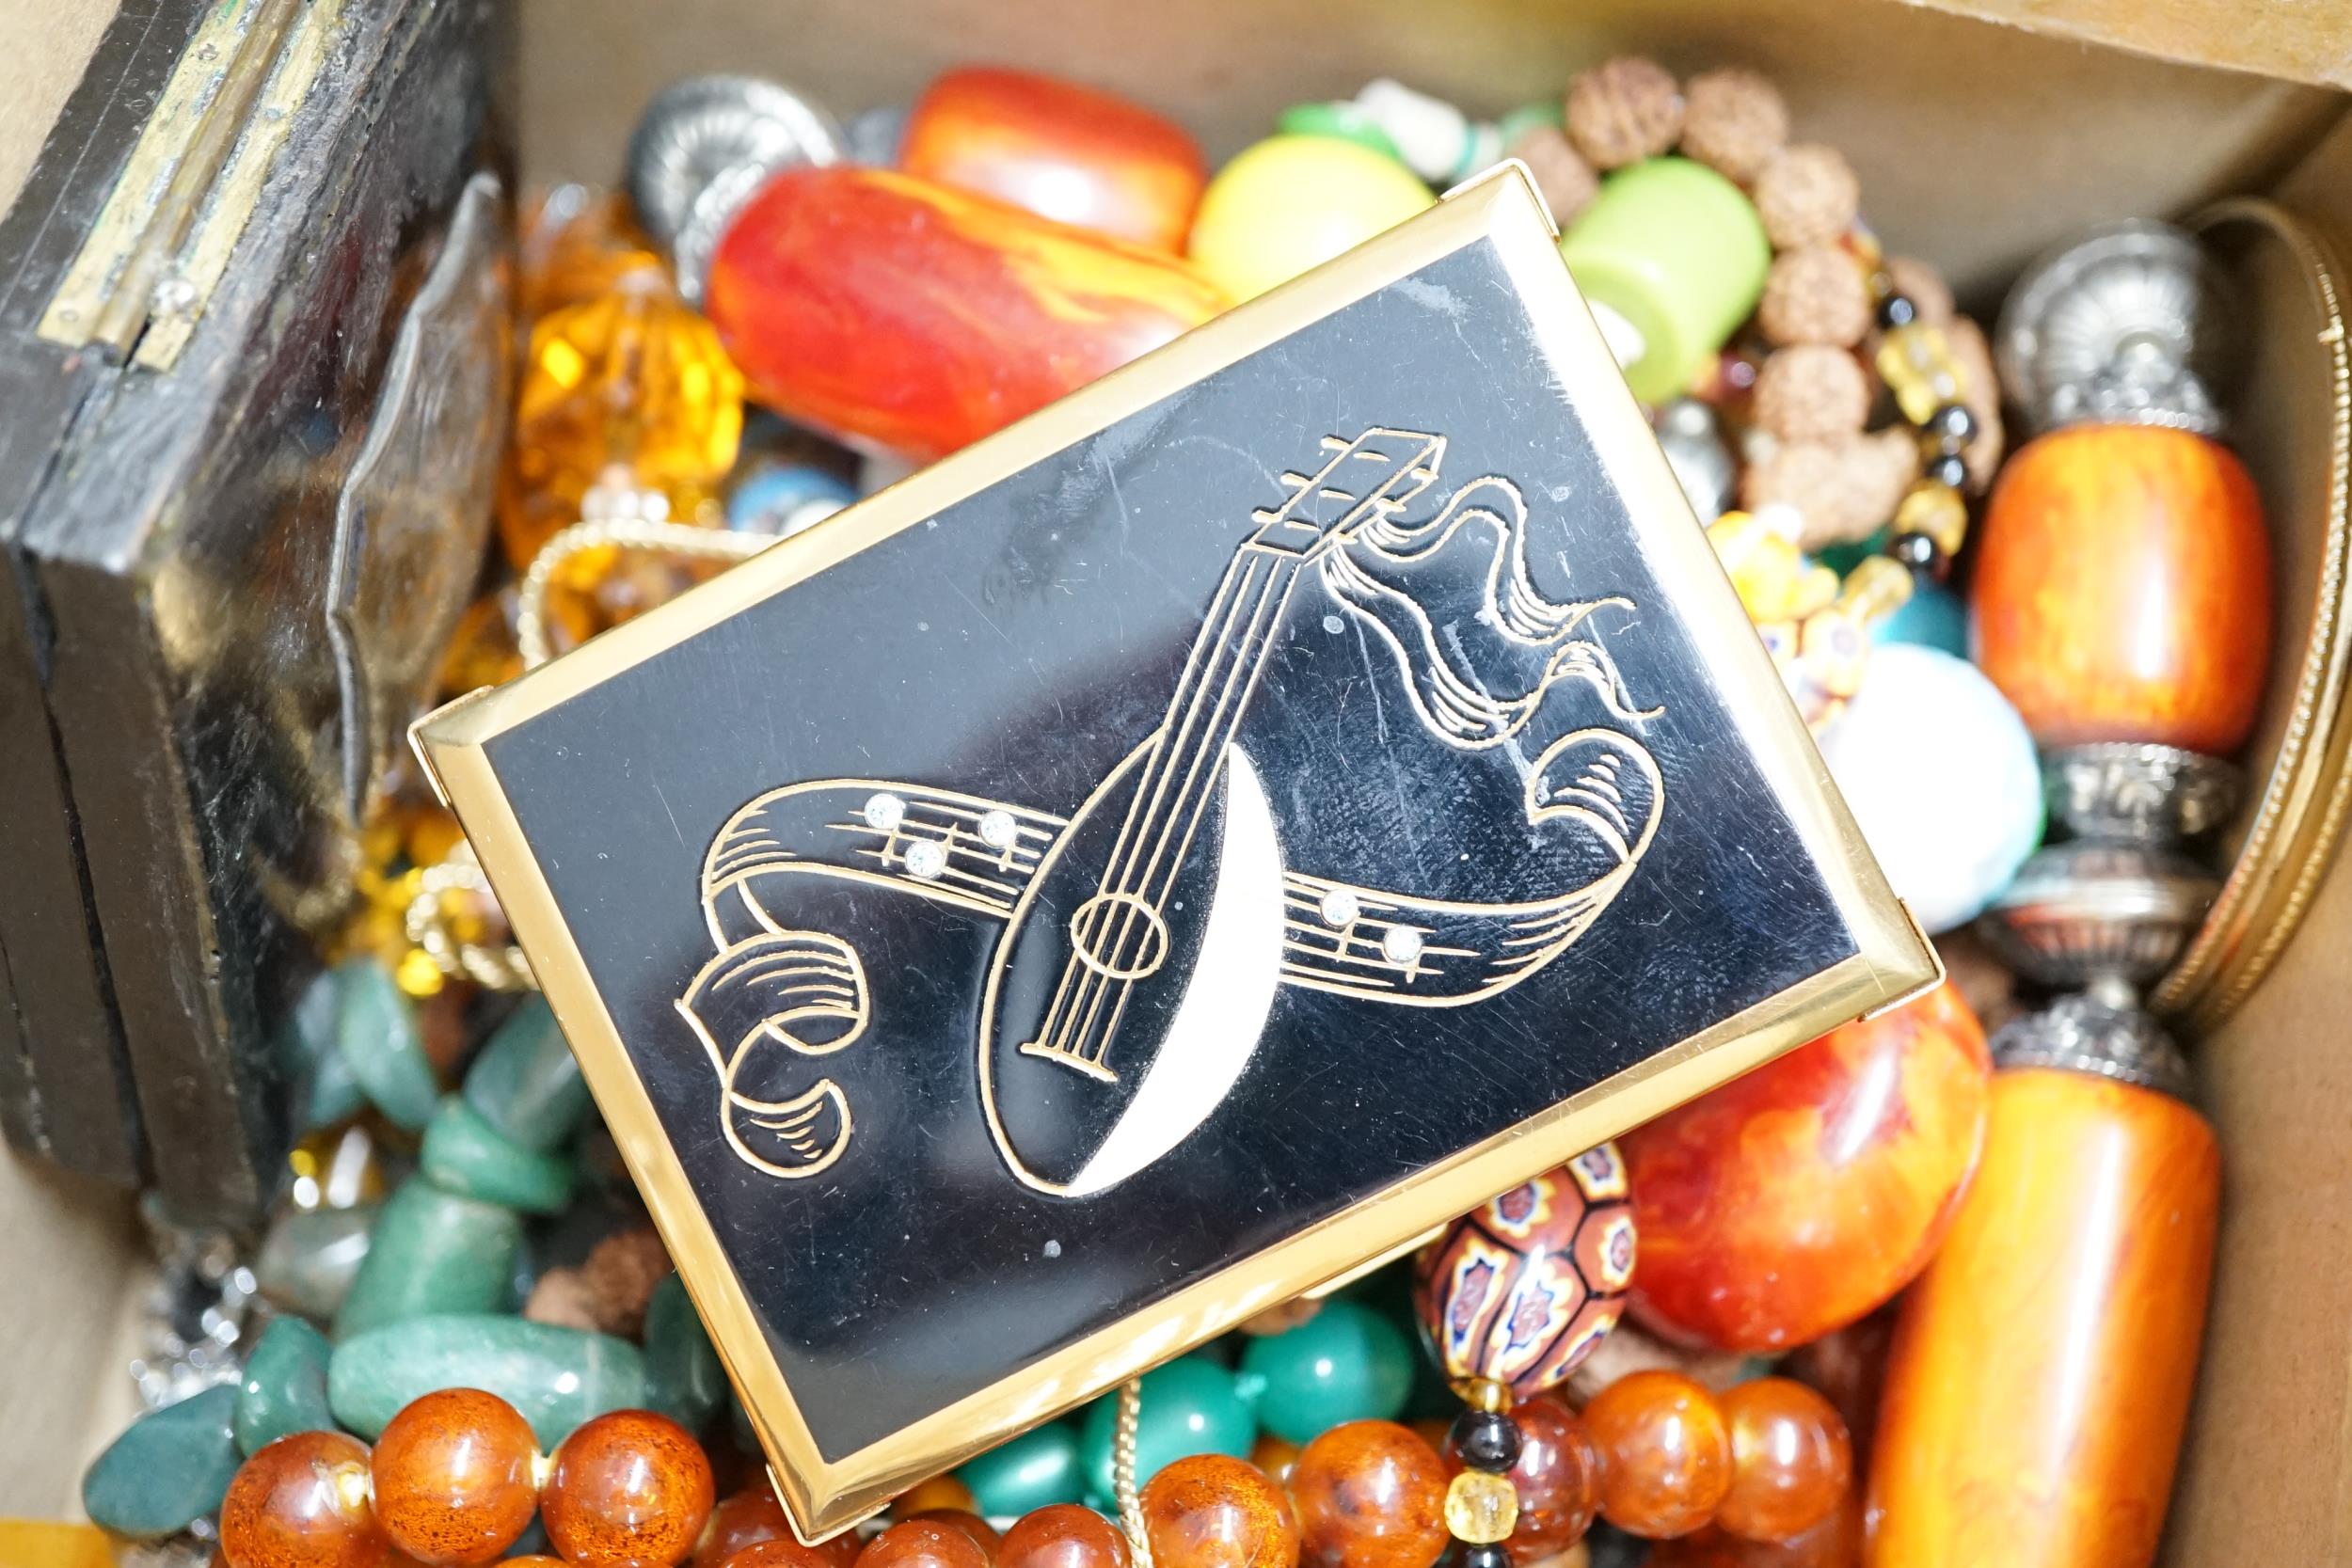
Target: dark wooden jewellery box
254,351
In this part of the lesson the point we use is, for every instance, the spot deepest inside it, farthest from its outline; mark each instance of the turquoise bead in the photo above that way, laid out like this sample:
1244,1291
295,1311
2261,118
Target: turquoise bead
169,1469
1190,1406
1932,617
557,1377
377,1036
525,1082
311,1257
285,1386
683,1378
464,1153
1346,1363
1030,1471
432,1252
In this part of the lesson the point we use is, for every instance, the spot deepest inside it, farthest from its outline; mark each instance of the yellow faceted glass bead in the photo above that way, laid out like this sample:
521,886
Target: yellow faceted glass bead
1480,1508
1918,368
1874,590
1933,508
634,381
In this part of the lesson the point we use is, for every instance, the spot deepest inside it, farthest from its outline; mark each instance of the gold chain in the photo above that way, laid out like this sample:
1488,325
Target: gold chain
1123,1471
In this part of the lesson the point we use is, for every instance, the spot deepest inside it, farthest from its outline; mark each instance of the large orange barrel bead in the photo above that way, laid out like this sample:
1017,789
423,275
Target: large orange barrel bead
920,318
2042,1368
2122,589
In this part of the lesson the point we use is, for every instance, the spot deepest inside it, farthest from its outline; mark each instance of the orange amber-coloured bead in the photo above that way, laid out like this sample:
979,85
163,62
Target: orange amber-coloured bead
1665,1454
1835,1543
2040,1378
922,1544
754,1515
1063,1535
983,1535
787,1551
1212,1510
1061,150
633,381
1557,1477
575,243
1790,1459
1274,1455
2121,589
627,1490
930,1496
453,1477
302,1502
1370,1494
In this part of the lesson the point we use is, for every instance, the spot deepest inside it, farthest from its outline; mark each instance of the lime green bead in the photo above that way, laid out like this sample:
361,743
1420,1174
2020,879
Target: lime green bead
1676,252
463,1153
1190,1406
1291,203
1346,1363
1337,118
1030,1471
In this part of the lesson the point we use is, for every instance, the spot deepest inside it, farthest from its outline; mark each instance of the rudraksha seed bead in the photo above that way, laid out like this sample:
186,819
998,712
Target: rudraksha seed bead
1486,1440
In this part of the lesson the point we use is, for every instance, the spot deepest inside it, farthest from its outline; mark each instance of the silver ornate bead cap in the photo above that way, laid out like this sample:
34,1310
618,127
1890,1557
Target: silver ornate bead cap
704,146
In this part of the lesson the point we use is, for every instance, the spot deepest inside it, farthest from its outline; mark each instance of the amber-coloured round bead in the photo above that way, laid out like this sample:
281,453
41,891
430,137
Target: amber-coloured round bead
1665,1453
1275,1455
983,1535
787,1551
452,1478
922,1544
1370,1494
1557,1476
627,1490
533,1559
1212,1510
302,1502
931,1496
1790,1459
2122,589
1063,1535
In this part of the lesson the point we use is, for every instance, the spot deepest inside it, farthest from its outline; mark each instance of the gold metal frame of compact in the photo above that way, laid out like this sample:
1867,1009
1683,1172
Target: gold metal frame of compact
2293,825
1893,960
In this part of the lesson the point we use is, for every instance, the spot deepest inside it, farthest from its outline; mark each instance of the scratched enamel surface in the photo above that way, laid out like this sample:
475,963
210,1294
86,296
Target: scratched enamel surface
840,861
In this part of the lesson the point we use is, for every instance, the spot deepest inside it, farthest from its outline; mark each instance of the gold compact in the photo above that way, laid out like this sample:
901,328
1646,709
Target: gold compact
1171,854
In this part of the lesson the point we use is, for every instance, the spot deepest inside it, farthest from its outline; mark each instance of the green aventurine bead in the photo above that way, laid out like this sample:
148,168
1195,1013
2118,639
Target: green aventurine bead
1030,1471
311,1257
464,1153
1190,1406
285,1386
683,1378
1346,1363
377,1036
557,1377
306,1047
1341,118
525,1082
169,1469
432,1251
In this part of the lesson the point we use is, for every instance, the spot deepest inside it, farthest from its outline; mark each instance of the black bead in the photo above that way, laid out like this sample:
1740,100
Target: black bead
1486,1440
1897,310
1464,1554
1951,427
1950,469
1918,553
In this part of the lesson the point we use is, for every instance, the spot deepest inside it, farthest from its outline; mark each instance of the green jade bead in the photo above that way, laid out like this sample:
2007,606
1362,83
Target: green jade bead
525,1082
1190,1406
311,1257
169,1468
378,1038
306,1047
285,1386
465,1153
1337,118
1671,256
432,1252
1346,1363
557,1377
1032,1470
683,1378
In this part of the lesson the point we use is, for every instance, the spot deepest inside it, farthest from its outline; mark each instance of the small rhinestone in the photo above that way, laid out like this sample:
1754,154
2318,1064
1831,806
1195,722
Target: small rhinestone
885,811
1340,908
997,830
926,859
1400,944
